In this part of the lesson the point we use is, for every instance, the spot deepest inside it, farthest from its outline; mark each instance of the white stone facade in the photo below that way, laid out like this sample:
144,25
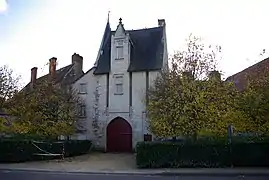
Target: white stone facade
119,96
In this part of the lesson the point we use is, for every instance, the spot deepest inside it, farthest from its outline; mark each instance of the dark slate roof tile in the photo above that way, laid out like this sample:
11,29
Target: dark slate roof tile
103,65
61,77
146,50
103,62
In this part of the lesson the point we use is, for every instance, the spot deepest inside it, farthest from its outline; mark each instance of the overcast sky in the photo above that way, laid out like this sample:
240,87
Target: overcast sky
32,31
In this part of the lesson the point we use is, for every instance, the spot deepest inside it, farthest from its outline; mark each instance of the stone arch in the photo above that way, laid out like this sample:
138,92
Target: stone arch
119,136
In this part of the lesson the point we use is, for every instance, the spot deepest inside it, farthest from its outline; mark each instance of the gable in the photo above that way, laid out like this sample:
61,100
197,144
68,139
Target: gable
120,31
86,76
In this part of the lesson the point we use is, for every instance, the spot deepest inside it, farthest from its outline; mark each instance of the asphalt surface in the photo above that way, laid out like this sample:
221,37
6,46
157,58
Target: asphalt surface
35,175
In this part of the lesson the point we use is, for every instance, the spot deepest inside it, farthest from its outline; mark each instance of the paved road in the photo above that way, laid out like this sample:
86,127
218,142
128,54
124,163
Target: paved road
27,175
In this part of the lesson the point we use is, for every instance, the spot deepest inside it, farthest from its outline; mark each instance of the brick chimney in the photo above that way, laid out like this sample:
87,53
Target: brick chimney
161,22
33,76
52,66
77,61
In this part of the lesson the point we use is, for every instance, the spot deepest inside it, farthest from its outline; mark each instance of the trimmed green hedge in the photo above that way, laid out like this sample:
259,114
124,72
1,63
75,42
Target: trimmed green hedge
13,150
202,153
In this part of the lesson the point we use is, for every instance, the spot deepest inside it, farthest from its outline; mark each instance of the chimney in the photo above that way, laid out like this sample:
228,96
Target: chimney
52,66
33,76
187,75
77,61
161,22
215,74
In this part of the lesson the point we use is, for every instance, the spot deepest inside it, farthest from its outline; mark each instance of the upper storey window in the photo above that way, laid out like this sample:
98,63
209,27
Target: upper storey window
118,84
119,49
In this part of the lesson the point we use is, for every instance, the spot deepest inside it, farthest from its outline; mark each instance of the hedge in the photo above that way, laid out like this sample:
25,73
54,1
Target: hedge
14,150
202,153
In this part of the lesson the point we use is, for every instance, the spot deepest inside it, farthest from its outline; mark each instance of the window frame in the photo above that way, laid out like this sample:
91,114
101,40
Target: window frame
82,112
119,53
118,83
80,88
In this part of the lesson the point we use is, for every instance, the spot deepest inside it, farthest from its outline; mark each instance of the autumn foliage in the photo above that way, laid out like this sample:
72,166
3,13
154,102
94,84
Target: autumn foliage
191,99
46,110
9,85
254,103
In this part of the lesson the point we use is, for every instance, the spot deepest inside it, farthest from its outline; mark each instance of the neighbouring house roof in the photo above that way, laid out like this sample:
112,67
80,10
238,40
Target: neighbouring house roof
146,50
254,72
64,75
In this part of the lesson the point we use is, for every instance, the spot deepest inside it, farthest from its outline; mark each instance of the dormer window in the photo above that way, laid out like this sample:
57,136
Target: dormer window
119,52
119,49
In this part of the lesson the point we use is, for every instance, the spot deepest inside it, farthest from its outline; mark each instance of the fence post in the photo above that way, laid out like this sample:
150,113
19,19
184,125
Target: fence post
230,134
63,152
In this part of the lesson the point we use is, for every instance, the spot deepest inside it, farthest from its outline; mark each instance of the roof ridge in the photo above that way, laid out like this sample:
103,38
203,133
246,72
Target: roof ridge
249,67
151,28
141,29
57,70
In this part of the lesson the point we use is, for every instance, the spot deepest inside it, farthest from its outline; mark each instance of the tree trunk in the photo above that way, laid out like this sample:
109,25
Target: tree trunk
195,137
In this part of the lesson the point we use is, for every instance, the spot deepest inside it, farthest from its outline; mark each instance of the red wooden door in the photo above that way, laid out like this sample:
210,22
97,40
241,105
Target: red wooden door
119,136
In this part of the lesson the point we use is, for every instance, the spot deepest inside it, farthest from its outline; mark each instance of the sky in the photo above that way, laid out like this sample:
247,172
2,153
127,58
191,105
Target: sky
33,31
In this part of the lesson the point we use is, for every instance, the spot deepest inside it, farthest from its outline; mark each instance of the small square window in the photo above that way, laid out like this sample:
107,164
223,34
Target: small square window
83,88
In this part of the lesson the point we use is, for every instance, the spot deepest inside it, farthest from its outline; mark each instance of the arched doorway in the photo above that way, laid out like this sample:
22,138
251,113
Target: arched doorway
119,136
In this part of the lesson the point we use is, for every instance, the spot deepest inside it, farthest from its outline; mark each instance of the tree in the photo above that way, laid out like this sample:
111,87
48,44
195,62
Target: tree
48,110
184,101
197,59
254,102
221,107
9,85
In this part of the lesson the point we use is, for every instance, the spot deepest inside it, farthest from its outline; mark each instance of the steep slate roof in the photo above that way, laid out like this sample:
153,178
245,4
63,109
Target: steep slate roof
146,50
253,72
62,75
102,63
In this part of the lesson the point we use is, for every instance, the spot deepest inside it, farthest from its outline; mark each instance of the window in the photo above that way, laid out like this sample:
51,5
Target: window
81,110
118,85
83,88
119,52
119,88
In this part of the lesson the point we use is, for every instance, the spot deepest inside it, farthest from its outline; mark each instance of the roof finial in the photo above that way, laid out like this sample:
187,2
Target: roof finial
120,20
108,16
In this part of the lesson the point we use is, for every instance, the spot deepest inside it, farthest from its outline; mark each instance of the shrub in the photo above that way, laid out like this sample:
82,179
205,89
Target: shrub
250,154
205,152
77,147
14,150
